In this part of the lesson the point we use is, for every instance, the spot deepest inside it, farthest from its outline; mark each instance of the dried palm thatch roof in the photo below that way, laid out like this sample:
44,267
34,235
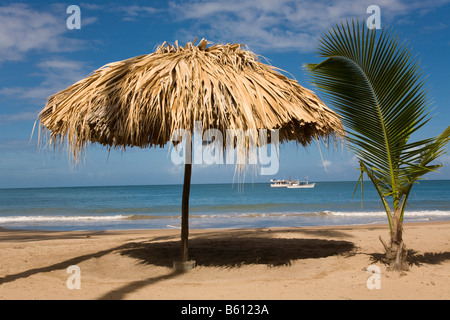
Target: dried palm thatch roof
142,100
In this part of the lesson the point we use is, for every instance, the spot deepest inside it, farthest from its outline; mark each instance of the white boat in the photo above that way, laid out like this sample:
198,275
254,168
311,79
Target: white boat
291,184
279,183
301,184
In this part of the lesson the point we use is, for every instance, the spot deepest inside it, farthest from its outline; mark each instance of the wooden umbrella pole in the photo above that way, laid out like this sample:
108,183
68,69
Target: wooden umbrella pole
185,212
185,199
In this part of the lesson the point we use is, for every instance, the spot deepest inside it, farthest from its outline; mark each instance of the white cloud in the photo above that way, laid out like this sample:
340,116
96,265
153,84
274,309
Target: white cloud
129,13
24,29
57,73
15,146
325,164
281,25
133,12
21,116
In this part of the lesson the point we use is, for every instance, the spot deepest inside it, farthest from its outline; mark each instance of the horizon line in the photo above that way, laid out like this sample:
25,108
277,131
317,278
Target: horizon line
180,184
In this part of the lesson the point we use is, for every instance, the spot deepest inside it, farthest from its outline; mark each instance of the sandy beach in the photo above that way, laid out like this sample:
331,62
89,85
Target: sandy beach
242,264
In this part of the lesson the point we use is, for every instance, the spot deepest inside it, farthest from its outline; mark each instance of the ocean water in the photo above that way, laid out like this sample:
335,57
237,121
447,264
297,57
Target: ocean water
211,206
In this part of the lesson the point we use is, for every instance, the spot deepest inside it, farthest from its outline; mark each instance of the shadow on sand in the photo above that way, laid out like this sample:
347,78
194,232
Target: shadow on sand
229,251
236,251
415,258
220,249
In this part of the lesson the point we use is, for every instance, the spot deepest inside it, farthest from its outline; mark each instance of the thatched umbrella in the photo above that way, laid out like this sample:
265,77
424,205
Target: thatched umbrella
140,102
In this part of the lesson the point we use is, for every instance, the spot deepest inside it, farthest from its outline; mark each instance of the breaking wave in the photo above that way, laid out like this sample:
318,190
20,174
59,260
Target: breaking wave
246,215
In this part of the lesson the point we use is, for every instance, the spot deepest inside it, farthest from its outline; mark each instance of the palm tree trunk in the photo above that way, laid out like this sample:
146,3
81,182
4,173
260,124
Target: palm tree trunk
398,248
396,252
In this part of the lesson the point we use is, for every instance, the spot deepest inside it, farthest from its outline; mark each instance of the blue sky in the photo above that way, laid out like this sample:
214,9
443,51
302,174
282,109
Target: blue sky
40,56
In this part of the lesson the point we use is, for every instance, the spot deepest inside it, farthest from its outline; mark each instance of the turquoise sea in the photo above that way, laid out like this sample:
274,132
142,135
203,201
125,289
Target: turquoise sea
211,206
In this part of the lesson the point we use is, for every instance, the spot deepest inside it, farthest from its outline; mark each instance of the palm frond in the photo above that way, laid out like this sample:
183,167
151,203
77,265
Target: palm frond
378,87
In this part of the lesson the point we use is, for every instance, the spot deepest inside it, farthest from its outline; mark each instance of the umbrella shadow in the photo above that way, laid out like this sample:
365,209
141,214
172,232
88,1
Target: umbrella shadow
235,251
326,233
229,251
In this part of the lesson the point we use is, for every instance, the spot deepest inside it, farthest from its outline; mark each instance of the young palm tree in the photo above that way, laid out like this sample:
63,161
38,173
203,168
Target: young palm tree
377,86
